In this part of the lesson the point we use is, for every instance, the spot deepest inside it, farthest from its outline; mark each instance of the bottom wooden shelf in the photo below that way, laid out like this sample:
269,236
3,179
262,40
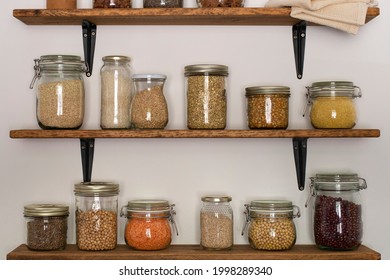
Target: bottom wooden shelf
194,252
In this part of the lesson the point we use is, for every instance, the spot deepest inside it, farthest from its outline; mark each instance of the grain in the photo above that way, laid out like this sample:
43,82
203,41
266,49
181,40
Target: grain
220,3
163,3
216,231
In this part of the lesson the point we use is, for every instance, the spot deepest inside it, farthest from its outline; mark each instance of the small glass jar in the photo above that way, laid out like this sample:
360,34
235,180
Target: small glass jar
148,226
337,219
163,3
116,92
47,226
267,107
220,3
216,223
61,94
270,224
149,109
205,86
96,215
332,104
61,4
112,4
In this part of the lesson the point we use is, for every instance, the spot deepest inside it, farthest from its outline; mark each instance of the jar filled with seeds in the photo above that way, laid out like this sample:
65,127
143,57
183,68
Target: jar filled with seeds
60,92
47,226
216,223
149,109
148,224
111,4
61,4
267,107
116,92
337,219
96,215
163,3
332,104
270,224
220,3
205,86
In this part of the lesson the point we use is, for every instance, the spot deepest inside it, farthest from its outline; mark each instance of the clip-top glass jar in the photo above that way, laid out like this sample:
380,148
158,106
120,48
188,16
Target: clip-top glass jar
270,224
96,215
337,219
216,223
116,92
61,94
332,104
47,226
148,224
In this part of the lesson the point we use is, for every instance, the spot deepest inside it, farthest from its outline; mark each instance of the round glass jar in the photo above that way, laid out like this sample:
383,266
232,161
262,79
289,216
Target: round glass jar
163,3
47,226
111,4
270,224
216,223
205,86
267,107
96,215
116,92
337,219
332,104
148,224
149,109
61,94
220,3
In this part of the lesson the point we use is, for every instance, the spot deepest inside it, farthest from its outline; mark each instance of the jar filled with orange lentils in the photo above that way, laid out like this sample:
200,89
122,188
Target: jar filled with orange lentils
149,224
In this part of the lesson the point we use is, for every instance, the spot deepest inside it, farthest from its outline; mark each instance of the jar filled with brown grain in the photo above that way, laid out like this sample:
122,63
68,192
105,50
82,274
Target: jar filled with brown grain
163,3
149,223
205,86
47,226
149,109
61,4
337,219
267,107
216,223
116,92
111,4
332,104
220,3
60,92
96,215
270,224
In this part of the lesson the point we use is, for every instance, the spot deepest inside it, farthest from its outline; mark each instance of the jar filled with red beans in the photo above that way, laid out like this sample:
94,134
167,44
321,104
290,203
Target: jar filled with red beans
337,218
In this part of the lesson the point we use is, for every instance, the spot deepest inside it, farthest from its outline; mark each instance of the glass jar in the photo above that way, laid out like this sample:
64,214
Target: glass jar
149,109
205,85
337,219
148,224
116,92
332,104
112,4
61,4
61,95
270,224
216,223
47,226
267,107
163,3
220,3
96,215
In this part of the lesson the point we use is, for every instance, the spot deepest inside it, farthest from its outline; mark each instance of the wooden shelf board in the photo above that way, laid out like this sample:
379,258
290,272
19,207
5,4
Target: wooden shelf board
167,16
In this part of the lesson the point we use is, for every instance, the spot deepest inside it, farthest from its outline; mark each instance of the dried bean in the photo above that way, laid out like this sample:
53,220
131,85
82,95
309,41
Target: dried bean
216,231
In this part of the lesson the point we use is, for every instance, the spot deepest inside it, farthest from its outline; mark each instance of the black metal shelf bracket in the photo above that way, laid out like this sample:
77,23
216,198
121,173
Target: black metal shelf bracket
87,146
300,153
89,40
299,42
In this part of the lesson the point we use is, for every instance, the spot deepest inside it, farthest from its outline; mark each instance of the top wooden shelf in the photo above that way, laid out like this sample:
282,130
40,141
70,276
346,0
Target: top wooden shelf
165,16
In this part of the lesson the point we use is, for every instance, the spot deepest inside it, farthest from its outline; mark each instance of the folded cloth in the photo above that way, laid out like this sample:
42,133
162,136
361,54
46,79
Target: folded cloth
345,15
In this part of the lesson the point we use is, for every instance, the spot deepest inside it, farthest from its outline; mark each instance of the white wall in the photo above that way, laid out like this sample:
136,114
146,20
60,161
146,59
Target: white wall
182,170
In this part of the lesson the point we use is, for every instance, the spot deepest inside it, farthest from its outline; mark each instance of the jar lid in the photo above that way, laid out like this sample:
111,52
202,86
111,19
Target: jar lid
333,88
148,204
46,210
271,205
116,58
149,77
215,69
339,182
96,188
250,91
216,198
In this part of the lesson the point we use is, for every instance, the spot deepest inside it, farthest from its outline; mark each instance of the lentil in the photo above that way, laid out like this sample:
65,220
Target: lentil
216,231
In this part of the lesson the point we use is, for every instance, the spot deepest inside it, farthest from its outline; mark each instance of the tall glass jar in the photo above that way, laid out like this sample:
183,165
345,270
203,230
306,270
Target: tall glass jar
61,94
96,215
149,109
216,223
332,104
337,219
270,224
148,224
47,226
116,92
205,86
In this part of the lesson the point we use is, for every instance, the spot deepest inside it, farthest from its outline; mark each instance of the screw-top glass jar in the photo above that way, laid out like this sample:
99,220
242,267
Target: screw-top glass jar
61,95
270,224
47,226
220,3
337,219
148,224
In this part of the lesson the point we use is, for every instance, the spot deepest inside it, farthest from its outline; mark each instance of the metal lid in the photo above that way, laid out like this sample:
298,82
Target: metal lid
148,205
116,58
333,88
96,188
148,77
338,182
250,91
46,210
216,198
271,205
215,69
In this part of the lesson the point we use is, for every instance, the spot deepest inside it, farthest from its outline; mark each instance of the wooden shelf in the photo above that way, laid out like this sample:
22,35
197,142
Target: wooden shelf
168,16
194,252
